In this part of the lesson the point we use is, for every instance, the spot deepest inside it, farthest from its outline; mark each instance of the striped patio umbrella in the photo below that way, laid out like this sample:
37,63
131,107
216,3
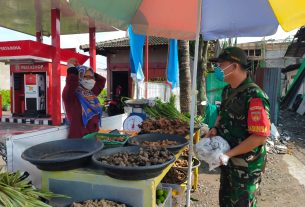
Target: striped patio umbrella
177,18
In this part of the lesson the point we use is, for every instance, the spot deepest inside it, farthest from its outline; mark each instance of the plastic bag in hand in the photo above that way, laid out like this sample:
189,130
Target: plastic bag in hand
210,150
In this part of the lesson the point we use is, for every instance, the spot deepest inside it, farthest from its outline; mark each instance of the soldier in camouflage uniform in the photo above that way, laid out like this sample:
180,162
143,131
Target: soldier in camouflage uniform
244,123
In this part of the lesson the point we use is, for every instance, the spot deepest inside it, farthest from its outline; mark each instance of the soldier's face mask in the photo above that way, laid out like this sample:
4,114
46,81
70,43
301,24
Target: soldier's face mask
219,72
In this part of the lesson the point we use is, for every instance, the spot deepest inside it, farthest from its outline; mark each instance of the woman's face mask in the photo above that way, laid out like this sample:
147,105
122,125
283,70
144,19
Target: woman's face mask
87,83
219,72
87,80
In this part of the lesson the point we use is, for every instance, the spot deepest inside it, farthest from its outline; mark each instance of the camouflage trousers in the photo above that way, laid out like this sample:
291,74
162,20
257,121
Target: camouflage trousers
238,187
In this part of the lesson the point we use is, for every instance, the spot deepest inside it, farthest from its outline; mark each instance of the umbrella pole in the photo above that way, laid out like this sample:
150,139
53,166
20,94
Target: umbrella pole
194,94
137,89
146,66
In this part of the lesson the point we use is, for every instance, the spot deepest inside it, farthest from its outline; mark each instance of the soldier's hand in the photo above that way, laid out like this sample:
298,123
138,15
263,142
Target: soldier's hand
212,133
224,159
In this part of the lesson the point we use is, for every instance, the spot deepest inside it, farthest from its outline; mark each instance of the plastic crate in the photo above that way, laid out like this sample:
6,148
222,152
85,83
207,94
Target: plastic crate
123,132
178,193
108,144
177,190
168,200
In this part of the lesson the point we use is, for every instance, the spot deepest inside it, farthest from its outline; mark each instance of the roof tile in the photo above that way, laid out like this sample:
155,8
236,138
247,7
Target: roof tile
124,42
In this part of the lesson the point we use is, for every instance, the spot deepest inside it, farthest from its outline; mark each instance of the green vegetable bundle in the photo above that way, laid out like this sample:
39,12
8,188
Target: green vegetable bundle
16,191
169,110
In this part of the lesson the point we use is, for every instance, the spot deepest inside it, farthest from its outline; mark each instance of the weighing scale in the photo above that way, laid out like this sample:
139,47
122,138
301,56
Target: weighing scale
137,116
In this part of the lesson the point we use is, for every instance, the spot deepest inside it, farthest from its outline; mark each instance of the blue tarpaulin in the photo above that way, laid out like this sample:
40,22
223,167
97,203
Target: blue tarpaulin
173,65
136,55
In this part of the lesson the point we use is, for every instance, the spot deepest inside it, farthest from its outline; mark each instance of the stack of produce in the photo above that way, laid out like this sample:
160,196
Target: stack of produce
16,191
160,143
164,126
181,163
146,157
175,176
161,195
185,152
112,138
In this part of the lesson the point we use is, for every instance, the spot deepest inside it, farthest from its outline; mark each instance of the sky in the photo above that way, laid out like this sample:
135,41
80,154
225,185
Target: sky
74,41
280,34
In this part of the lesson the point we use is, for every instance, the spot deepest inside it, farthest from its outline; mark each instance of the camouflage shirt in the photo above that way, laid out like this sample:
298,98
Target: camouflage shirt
233,124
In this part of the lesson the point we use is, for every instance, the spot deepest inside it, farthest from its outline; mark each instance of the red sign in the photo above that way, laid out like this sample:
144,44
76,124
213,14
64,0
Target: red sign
28,49
30,79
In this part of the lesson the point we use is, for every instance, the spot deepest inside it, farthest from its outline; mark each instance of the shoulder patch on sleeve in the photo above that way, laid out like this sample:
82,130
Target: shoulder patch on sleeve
258,121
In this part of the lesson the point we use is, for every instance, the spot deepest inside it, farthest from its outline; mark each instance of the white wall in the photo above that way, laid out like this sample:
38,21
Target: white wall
4,76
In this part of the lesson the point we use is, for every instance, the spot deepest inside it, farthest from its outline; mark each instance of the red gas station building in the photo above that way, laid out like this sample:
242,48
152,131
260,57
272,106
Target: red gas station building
31,75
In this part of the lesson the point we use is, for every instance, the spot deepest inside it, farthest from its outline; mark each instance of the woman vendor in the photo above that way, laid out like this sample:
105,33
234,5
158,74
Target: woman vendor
82,107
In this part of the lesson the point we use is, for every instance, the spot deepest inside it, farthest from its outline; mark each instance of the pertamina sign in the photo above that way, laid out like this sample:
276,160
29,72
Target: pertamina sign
29,67
4,48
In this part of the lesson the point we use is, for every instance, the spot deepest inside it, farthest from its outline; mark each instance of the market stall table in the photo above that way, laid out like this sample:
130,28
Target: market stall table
88,183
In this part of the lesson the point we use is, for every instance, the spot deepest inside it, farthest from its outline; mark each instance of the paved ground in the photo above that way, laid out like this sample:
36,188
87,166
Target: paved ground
279,188
8,129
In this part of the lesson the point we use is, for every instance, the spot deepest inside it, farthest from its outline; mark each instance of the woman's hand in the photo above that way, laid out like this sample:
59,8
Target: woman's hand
72,70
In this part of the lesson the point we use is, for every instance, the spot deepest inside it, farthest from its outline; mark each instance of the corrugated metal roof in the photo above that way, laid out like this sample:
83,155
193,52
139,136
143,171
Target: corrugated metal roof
297,47
123,42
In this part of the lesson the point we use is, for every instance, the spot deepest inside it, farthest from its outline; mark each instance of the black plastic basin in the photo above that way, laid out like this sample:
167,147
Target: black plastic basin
195,163
182,141
129,173
61,155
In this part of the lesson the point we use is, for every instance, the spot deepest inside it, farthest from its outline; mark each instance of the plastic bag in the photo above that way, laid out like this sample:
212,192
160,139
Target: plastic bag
204,129
210,149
